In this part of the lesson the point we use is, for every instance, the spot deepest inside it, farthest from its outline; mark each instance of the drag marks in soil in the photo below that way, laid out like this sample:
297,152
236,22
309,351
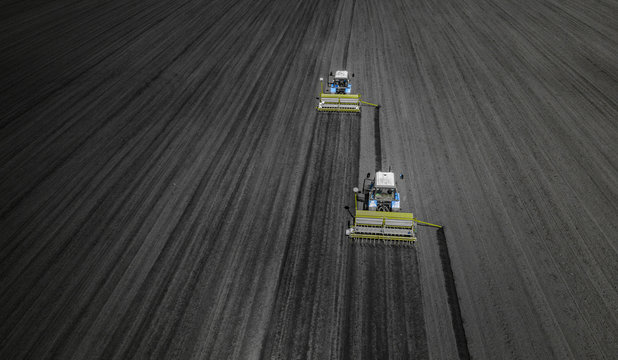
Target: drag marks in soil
453,298
305,310
384,318
377,138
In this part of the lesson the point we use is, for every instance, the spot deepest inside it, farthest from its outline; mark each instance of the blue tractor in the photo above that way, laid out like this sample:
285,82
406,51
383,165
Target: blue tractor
340,84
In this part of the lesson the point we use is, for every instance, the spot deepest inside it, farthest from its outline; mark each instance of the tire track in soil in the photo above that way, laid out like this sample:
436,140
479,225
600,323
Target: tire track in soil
346,49
377,138
453,298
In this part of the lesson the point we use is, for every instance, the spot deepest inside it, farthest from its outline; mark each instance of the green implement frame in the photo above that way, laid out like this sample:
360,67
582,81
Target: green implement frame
339,102
385,225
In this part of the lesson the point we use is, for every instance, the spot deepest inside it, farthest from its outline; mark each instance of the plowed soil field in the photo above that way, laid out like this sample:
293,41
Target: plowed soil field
168,190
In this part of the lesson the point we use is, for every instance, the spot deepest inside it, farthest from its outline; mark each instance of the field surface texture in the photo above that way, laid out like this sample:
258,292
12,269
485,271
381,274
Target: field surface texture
168,190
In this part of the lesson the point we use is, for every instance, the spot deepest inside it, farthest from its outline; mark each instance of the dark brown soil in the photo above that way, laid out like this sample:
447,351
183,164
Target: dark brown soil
167,189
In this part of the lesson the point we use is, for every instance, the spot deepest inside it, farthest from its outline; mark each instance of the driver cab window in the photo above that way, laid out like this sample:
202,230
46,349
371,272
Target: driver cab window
384,193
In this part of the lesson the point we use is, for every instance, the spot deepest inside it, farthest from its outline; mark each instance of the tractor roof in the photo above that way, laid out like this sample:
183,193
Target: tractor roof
341,74
385,179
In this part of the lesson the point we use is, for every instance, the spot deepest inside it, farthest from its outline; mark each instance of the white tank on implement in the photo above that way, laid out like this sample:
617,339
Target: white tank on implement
385,180
341,74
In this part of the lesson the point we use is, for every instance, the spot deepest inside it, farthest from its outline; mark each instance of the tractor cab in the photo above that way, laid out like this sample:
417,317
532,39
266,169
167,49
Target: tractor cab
340,83
382,194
